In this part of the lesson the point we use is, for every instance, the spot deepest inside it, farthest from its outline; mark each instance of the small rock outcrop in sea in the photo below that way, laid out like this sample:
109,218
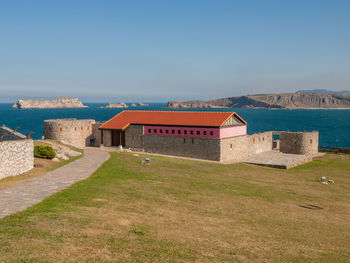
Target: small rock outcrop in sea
189,104
133,105
273,101
117,105
142,104
62,102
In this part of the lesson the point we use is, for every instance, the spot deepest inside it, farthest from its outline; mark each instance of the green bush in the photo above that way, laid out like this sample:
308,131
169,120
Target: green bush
44,151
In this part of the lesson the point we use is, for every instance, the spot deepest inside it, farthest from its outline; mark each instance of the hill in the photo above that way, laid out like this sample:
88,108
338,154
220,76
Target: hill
273,101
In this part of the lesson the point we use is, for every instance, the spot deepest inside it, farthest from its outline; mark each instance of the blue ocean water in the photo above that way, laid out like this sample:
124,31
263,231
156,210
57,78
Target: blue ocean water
333,125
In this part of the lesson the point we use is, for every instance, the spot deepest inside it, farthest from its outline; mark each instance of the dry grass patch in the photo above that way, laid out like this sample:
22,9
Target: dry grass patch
189,211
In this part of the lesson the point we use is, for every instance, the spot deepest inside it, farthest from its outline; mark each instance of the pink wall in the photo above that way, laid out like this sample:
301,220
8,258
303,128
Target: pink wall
233,131
203,132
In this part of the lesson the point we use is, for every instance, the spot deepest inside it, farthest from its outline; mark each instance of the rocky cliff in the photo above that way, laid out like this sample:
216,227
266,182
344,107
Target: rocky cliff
62,102
273,101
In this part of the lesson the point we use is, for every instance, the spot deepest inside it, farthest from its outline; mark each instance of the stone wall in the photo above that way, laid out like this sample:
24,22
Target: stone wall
239,147
299,142
16,157
107,138
69,131
134,137
234,148
259,142
96,133
200,148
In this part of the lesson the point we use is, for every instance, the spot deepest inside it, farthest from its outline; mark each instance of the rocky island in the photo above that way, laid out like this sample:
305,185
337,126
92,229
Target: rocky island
273,101
62,102
116,105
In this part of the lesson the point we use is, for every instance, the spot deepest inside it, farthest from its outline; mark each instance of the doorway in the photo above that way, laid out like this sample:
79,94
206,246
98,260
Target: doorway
118,138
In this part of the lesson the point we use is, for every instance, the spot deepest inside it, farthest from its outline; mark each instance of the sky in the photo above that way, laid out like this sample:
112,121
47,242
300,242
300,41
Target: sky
155,51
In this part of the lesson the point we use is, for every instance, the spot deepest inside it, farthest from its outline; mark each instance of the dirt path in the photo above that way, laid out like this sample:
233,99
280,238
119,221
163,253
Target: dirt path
23,195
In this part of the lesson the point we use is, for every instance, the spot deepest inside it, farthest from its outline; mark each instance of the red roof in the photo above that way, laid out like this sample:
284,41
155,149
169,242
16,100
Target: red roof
172,118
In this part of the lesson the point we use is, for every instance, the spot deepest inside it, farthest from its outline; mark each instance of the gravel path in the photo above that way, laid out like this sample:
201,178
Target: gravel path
25,194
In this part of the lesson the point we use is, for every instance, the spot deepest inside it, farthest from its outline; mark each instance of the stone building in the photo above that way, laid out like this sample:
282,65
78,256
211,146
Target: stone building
217,136
16,153
69,131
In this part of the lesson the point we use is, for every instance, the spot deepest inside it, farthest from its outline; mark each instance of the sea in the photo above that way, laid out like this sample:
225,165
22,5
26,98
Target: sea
333,125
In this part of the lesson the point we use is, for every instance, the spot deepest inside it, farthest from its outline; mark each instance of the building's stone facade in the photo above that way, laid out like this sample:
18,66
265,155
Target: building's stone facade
208,149
134,137
16,153
69,131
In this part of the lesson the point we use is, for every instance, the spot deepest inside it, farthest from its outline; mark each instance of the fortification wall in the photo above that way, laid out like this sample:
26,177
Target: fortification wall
299,142
239,147
69,131
234,148
259,143
16,157
134,137
200,148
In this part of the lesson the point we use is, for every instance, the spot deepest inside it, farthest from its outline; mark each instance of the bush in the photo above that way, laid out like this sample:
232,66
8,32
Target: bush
44,151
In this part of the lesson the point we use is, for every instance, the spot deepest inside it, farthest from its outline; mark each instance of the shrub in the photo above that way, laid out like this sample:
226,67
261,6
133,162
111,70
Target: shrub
44,151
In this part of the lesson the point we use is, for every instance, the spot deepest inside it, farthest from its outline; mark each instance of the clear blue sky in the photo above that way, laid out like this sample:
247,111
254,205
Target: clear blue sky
164,50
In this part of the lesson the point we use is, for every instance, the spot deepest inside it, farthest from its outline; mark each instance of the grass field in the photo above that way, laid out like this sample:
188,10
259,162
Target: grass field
189,211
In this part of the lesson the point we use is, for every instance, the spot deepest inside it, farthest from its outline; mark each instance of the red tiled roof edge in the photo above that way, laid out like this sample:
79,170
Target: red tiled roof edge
143,111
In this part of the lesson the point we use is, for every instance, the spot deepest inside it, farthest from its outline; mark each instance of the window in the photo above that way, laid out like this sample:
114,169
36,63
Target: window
149,130
179,131
75,128
161,130
185,131
88,127
81,128
263,138
60,129
231,146
166,131
253,140
198,132
205,133
155,130
173,131
191,132
211,133
310,140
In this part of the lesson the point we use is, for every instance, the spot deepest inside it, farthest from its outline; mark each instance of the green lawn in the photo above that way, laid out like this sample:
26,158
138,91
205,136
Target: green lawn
189,211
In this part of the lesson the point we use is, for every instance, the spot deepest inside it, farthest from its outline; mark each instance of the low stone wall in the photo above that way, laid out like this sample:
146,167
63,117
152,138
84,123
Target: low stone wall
16,157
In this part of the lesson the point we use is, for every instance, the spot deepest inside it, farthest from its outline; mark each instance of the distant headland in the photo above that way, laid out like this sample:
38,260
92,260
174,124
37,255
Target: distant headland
298,100
62,102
